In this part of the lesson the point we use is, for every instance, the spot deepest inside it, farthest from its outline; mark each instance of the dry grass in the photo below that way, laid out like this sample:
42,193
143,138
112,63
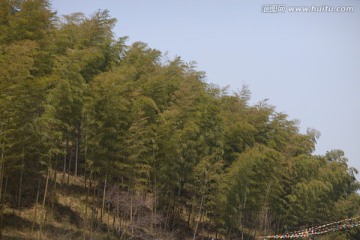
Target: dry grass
64,221
65,218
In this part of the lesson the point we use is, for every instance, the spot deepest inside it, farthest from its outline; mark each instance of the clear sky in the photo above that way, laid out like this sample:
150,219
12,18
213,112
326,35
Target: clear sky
306,64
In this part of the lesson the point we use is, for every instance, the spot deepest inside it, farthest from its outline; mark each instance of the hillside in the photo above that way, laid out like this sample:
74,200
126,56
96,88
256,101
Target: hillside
104,140
69,217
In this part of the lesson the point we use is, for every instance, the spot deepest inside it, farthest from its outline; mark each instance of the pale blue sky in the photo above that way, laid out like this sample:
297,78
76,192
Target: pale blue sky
306,64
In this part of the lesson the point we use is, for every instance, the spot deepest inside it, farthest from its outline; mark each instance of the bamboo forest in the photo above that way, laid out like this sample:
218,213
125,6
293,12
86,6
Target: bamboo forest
100,139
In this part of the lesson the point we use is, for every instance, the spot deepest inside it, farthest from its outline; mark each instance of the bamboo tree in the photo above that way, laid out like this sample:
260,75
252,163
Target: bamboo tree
34,220
43,220
152,129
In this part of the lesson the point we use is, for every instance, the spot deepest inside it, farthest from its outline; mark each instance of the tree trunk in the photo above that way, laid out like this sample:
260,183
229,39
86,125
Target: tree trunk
131,213
35,209
88,189
85,151
154,213
199,216
266,209
108,217
94,206
55,186
2,208
44,199
2,172
242,217
98,200
103,200
118,205
191,212
69,169
153,217
1,200
114,219
65,155
77,150
87,198
86,185
21,180
1,177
